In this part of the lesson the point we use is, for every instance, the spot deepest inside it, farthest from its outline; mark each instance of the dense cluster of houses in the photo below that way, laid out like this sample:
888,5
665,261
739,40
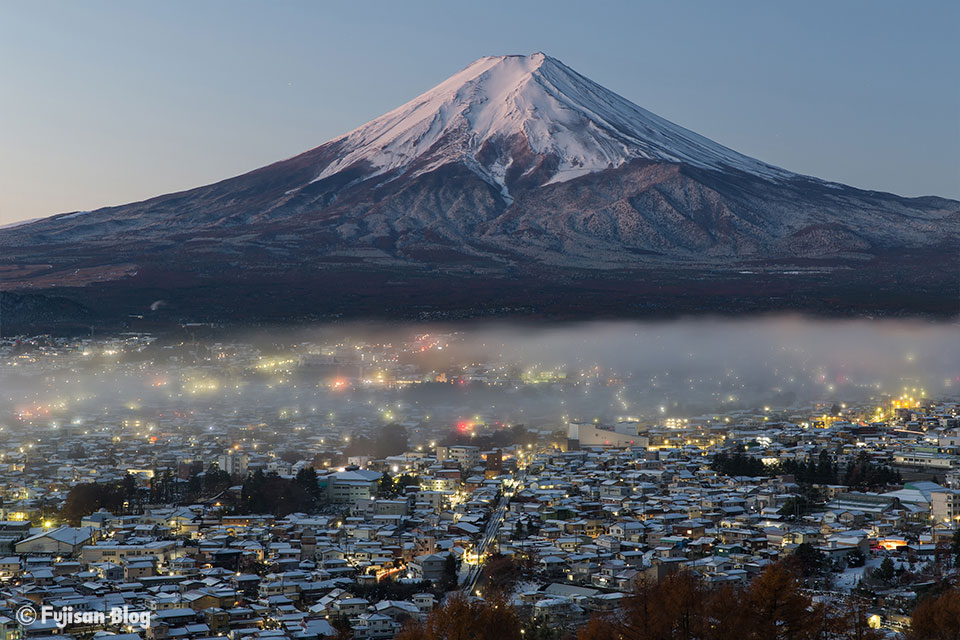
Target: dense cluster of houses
577,518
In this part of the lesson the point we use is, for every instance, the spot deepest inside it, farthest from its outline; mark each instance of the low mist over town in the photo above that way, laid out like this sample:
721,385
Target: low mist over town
345,481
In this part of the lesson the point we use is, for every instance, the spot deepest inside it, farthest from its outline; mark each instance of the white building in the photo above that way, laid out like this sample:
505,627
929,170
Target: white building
350,486
428,567
945,505
234,462
62,541
624,434
466,456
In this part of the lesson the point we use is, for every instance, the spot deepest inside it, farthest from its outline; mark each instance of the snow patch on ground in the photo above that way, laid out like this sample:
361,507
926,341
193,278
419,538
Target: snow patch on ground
73,215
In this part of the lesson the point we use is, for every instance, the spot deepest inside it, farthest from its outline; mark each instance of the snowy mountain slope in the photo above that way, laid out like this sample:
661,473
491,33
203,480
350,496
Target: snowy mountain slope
515,167
555,111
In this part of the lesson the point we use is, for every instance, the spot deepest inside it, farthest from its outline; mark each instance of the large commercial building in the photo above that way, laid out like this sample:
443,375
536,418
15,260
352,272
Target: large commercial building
623,434
925,460
351,485
65,541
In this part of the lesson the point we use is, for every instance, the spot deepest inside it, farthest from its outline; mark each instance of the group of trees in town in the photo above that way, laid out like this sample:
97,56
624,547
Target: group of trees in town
87,497
130,494
124,497
391,487
271,493
261,493
391,440
860,473
167,488
496,439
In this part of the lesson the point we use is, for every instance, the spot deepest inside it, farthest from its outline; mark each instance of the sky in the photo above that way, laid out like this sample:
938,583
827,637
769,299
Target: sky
105,103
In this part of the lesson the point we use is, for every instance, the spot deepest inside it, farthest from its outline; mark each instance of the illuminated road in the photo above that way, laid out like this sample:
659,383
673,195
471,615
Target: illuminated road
470,573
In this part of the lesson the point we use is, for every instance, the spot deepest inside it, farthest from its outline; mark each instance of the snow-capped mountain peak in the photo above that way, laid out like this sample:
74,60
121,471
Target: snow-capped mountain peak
526,113
515,186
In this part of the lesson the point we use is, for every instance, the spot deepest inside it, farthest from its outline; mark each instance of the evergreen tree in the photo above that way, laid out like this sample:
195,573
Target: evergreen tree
955,547
807,559
128,487
886,571
386,488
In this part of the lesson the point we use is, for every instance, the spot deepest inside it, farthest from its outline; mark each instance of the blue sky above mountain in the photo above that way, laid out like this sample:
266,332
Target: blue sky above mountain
118,103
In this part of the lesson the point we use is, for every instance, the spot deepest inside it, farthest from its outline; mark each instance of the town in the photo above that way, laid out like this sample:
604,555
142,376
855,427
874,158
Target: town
353,488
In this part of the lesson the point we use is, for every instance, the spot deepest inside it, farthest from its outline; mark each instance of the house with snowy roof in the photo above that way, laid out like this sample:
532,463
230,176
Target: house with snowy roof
63,541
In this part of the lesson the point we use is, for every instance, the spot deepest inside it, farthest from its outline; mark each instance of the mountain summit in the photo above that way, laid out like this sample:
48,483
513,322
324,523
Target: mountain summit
508,117
515,186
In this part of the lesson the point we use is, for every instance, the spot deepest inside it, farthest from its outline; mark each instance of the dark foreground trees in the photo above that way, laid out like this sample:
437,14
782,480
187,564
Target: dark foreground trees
937,618
684,607
463,619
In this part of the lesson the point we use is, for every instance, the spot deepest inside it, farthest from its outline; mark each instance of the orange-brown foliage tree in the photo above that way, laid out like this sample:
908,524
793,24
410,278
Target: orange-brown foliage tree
462,619
776,608
682,606
601,628
937,618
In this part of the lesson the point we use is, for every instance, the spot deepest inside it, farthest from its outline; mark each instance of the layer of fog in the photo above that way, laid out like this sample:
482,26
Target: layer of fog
603,371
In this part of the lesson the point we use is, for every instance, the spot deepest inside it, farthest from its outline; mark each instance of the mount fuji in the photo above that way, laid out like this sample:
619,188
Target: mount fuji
516,186
511,116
